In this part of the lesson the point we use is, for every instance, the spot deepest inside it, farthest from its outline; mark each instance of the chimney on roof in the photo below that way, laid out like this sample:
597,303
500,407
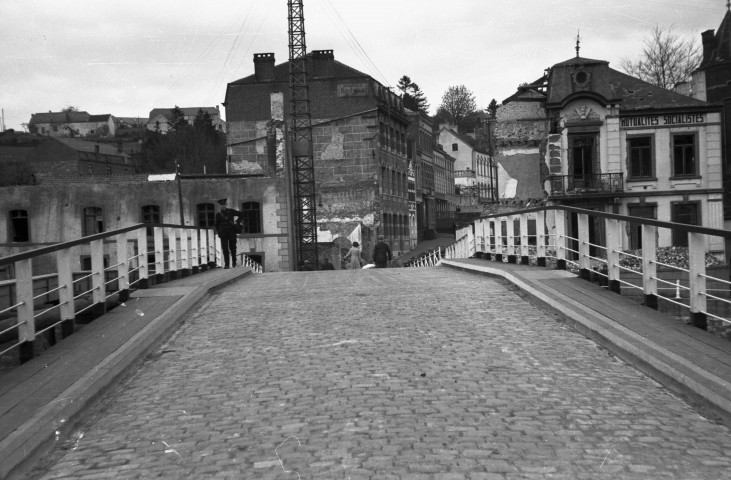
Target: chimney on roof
709,44
322,63
264,66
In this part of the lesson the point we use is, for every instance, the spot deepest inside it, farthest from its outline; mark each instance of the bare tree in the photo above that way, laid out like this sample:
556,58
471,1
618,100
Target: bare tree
457,103
666,60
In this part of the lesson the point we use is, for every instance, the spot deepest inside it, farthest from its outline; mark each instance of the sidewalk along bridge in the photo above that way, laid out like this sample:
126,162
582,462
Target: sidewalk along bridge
677,268
45,297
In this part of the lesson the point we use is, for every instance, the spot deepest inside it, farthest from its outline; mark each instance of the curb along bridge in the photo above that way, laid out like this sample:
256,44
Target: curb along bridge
484,366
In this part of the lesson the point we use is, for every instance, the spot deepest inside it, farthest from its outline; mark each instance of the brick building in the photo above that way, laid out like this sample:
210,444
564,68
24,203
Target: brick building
359,145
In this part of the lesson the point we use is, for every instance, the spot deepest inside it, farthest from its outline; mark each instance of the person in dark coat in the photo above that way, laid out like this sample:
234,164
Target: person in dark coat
226,229
381,253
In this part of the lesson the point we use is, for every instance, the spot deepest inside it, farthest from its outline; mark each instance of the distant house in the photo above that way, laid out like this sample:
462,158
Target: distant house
160,118
72,124
71,156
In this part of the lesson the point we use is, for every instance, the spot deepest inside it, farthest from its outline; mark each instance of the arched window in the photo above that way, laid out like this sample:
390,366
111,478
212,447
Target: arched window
252,217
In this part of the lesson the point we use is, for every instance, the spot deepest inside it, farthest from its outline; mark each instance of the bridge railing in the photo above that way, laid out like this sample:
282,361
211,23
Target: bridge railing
51,287
684,265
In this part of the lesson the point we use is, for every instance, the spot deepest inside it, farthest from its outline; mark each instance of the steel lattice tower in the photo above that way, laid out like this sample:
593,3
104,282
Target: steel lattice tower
302,158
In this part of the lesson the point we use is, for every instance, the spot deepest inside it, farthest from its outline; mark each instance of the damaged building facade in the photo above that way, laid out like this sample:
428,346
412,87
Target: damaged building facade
616,144
359,144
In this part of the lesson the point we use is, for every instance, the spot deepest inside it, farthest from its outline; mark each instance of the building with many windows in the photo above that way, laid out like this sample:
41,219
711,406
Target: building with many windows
472,168
359,148
618,144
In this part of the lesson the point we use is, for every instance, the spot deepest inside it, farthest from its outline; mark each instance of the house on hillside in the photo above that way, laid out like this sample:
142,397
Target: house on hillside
359,145
73,156
160,118
617,144
72,124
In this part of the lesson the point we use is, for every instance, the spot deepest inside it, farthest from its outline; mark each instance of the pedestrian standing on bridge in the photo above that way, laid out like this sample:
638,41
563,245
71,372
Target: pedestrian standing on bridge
225,227
381,253
354,254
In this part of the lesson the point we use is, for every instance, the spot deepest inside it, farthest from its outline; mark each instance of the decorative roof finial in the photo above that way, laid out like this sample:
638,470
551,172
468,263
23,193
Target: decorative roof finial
578,40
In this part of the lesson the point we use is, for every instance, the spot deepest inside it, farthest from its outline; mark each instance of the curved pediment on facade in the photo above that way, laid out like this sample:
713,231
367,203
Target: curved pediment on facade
583,111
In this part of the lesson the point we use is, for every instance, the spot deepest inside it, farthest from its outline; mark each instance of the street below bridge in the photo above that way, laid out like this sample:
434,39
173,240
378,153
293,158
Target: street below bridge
392,374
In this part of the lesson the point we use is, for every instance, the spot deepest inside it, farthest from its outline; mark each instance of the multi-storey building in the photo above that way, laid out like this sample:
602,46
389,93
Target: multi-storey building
472,168
359,147
433,178
618,144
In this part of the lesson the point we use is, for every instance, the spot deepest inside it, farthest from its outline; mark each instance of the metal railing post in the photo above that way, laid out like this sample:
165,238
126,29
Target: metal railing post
24,297
697,279
123,267
584,246
98,294
649,267
66,306
614,246
541,238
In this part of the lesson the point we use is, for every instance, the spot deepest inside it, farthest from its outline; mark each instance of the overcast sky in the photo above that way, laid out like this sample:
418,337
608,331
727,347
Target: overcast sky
127,57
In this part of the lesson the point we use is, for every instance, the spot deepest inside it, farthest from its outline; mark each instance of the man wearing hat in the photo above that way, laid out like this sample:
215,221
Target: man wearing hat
381,253
226,229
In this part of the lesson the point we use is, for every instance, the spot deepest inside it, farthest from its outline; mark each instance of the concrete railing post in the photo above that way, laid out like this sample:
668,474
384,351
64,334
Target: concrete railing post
159,239
195,252
697,279
541,238
510,223
560,226
524,240
185,254
25,309
98,280
584,246
173,252
142,260
614,246
649,267
122,267
66,306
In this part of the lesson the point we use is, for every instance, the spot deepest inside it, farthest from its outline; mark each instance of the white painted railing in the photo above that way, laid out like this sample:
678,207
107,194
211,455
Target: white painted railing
568,237
48,289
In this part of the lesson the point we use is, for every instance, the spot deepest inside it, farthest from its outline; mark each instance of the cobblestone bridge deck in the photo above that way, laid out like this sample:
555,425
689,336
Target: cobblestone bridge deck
394,374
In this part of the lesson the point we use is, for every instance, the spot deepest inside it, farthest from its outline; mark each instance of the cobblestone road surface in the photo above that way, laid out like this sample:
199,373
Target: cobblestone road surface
393,374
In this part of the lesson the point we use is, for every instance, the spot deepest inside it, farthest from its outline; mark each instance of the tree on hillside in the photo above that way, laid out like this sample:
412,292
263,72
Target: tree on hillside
191,148
458,102
412,96
666,60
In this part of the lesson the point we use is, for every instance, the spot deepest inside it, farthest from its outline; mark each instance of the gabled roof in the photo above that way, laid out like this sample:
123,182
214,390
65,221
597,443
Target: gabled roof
100,118
281,72
464,138
59,117
721,51
637,94
86,146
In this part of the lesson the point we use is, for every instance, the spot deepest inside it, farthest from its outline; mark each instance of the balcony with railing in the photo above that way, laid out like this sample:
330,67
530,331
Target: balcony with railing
591,184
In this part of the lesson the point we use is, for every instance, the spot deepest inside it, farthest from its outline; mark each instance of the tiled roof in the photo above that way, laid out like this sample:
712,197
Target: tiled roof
59,117
99,118
86,146
281,72
637,94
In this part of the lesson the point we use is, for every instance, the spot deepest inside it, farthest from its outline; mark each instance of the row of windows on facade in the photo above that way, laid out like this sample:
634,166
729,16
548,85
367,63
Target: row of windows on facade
93,219
393,182
641,155
680,212
392,138
395,225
